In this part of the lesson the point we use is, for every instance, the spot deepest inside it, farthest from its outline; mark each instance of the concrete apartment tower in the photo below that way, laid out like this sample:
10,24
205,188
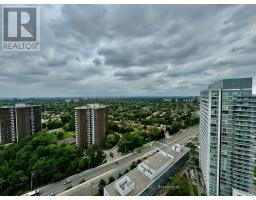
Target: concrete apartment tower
6,125
91,125
227,137
18,122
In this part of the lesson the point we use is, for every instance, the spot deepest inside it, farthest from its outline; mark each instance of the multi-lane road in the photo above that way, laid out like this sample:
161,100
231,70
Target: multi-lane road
93,176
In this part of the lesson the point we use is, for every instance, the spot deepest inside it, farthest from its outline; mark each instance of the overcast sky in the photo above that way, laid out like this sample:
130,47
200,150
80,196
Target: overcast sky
126,50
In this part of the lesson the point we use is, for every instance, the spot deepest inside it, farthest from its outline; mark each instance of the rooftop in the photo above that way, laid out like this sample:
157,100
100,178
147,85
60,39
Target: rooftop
140,181
20,105
157,160
94,106
146,172
237,83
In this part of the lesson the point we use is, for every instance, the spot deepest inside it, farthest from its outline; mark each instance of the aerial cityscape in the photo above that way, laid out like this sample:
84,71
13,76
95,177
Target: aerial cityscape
160,101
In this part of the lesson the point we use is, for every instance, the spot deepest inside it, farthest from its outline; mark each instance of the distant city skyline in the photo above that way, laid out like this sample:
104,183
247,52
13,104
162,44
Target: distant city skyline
133,50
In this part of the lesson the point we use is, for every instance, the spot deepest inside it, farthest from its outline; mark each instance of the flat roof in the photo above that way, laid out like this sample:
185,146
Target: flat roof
142,181
20,106
6,107
95,106
156,161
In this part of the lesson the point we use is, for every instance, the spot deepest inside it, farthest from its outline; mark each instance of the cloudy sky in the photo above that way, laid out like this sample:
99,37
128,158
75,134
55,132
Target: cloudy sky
133,50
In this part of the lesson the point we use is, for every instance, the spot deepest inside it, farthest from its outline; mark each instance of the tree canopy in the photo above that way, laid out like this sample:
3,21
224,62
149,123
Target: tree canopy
179,186
130,141
41,158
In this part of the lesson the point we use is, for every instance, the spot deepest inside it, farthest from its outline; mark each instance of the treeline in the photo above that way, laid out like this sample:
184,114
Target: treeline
136,139
66,121
183,121
123,128
40,157
181,185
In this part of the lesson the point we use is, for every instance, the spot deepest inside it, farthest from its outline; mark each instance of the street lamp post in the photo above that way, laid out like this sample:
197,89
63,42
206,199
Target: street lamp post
89,161
92,188
31,184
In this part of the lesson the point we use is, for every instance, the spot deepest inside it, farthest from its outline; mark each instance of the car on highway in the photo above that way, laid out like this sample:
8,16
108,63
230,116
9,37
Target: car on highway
52,194
68,186
67,182
32,193
82,181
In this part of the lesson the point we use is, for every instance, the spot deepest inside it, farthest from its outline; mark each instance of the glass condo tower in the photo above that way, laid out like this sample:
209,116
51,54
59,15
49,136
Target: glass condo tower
227,136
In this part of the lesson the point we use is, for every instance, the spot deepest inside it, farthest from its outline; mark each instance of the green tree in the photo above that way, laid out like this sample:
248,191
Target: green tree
130,141
2,181
112,126
133,165
69,126
101,186
65,118
95,155
56,123
38,155
138,161
60,135
153,133
175,128
111,179
179,186
111,140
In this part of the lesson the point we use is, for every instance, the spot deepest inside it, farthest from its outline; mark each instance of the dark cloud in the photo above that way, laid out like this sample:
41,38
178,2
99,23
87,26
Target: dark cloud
105,50
135,73
97,61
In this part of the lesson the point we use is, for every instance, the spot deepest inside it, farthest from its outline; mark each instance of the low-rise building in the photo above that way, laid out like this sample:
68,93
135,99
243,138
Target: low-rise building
150,174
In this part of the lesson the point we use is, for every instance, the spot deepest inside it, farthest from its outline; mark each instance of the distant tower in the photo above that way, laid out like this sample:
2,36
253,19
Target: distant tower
91,125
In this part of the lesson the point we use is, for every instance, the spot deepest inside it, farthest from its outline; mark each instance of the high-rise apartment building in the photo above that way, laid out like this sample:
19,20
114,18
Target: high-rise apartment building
91,125
18,122
6,129
227,136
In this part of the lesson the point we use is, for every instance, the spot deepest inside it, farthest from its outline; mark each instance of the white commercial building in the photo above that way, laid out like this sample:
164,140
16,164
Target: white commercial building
149,174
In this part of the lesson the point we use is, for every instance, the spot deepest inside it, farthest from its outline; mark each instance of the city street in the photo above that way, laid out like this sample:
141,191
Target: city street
113,168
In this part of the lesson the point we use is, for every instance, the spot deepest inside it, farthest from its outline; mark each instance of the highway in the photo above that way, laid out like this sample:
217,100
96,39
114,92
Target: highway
93,176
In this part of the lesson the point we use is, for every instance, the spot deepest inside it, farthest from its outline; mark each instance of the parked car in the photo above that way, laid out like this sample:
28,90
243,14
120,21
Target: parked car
67,182
82,180
111,154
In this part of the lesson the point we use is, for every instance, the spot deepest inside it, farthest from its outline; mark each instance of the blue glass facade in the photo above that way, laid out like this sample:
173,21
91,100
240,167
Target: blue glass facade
230,121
